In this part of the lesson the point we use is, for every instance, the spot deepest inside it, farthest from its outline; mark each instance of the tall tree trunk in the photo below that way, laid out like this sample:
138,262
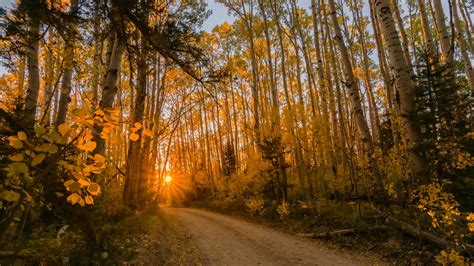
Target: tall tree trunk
21,77
405,84
109,89
33,67
462,45
428,36
350,83
68,68
401,28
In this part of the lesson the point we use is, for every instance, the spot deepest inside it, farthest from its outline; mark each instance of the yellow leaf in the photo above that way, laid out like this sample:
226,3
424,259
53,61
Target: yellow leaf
72,185
83,182
52,149
15,142
93,189
88,146
80,112
104,135
59,194
89,200
17,157
99,158
63,129
99,112
42,147
22,135
61,141
91,145
74,198
10,195
19,168
148,133
37,159
54,135
40,130
137,125
68,182
134,137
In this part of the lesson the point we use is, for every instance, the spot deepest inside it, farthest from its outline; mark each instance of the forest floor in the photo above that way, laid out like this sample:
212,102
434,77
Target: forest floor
226,240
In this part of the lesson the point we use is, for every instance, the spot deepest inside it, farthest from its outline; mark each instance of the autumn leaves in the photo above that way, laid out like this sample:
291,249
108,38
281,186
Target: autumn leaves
75,143
134,136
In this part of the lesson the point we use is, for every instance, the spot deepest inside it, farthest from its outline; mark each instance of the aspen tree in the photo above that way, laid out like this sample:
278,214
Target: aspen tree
68,69
462,45
32,60
350,83
405,85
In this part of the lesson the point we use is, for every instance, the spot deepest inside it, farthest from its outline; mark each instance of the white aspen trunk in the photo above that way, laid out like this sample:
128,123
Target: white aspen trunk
462,46
109,89
427,34
445,40
350,83
32,92
68,69
405,84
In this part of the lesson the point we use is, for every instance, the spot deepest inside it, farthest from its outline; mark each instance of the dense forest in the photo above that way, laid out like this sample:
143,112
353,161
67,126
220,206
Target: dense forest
295,110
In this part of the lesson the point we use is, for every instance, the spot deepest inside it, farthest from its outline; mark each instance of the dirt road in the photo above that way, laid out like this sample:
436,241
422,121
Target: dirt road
224,240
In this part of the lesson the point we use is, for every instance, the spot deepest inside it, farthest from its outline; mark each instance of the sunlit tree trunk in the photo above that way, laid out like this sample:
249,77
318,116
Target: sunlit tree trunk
401,28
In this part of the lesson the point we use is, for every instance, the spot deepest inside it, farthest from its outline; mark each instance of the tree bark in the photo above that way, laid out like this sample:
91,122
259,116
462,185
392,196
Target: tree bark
405,84
350,83
68,69
33,68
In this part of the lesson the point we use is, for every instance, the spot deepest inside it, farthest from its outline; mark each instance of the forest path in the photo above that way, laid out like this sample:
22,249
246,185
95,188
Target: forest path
225,240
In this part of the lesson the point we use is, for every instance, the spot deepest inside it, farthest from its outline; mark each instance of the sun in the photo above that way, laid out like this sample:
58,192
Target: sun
168,179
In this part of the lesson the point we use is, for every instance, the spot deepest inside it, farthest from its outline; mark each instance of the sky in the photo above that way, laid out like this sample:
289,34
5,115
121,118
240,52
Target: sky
218,16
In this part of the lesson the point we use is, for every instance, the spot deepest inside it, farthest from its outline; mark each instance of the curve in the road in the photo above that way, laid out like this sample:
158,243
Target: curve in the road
224,240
